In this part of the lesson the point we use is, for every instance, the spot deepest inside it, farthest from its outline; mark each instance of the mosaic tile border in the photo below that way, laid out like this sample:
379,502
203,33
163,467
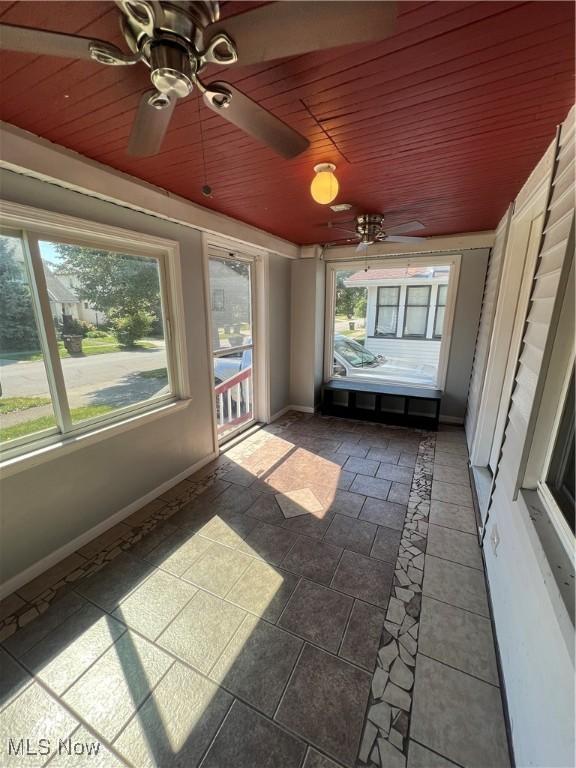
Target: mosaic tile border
385,737
19,611
121,537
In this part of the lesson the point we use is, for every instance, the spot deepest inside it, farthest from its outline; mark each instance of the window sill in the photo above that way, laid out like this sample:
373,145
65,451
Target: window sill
55,450
559,561
407,338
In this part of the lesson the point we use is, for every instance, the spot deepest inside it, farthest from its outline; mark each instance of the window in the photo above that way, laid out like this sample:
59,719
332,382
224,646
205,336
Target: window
440,310
381,321
416,311
387,311
60,373
560,477
25,401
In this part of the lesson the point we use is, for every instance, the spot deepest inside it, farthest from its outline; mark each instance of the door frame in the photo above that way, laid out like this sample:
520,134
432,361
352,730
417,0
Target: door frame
260,334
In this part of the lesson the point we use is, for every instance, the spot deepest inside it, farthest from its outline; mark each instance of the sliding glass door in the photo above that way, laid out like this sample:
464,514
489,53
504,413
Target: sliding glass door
231,285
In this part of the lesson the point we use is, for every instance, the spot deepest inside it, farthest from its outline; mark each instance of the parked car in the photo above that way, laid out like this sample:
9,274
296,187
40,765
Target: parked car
353,360
229,365
225,368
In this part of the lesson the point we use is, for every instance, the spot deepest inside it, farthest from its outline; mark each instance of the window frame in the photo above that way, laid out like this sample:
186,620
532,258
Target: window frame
33,225
435,335
547,497
379,305
562,449
409,306
543,437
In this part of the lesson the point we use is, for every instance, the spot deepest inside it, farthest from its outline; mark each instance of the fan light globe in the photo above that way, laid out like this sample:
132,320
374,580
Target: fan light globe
324,187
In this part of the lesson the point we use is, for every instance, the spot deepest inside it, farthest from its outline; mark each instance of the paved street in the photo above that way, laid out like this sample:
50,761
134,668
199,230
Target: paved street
26,379
111,379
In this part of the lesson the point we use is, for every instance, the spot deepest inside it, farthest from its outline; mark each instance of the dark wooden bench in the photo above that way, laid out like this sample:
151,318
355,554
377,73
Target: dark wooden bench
388,403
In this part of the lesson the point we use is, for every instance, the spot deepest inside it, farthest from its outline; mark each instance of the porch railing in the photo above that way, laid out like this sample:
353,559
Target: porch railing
234,400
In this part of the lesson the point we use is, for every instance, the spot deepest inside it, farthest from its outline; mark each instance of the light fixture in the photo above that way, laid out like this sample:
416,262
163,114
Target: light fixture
340,207
324,187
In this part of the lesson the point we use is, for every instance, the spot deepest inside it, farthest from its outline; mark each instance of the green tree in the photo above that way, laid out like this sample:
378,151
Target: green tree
347,299
126,288
361,303
129,328
17,323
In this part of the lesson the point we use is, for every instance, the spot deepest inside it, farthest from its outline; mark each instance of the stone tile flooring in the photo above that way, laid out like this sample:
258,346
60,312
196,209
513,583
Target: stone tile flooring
314,598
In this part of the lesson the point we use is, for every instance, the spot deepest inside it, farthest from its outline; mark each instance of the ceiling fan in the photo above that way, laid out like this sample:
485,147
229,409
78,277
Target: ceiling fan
177,40
370,228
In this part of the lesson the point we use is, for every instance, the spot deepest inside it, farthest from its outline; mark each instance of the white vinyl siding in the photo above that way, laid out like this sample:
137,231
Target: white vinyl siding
426,351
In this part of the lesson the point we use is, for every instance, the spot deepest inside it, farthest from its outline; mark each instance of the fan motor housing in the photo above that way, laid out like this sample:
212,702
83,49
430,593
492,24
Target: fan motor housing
181,23
172,69
369,227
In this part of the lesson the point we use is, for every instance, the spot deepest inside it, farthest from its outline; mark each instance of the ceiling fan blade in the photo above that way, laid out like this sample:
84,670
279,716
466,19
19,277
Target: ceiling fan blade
332,225
150,126
342,241
42,42
235,107
403,239
408,226
277,30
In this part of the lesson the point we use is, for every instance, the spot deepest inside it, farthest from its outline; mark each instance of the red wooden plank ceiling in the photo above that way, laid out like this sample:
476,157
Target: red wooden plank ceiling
443,121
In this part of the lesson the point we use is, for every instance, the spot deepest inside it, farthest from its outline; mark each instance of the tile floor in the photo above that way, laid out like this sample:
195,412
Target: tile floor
313,598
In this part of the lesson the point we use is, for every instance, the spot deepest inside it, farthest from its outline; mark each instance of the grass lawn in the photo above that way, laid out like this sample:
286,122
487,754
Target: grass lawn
45,422
358,335
12,404
99,346
156,373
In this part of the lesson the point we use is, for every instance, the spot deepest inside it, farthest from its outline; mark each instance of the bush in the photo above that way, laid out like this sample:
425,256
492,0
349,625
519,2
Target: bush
129,328
73,327
87,327
97,334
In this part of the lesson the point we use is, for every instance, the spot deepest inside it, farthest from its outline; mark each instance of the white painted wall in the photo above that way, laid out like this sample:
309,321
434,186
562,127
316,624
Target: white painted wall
535,638
307,332
49,505
279,330
464,331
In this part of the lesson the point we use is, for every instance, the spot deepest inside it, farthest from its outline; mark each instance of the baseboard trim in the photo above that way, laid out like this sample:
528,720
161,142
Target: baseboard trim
299,408
37,569
459,420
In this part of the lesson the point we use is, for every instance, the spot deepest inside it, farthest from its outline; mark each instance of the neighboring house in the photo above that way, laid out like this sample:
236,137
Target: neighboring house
63,301
229,296
405,311
85,309
63,290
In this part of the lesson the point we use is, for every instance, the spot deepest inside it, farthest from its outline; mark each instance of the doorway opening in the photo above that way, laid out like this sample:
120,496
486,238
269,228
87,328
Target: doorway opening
231,286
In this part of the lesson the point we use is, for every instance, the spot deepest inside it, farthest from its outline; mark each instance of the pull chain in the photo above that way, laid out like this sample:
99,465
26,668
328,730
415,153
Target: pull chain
206,188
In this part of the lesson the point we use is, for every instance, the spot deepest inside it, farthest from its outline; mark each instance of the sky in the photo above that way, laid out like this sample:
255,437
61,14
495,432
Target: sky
48,252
